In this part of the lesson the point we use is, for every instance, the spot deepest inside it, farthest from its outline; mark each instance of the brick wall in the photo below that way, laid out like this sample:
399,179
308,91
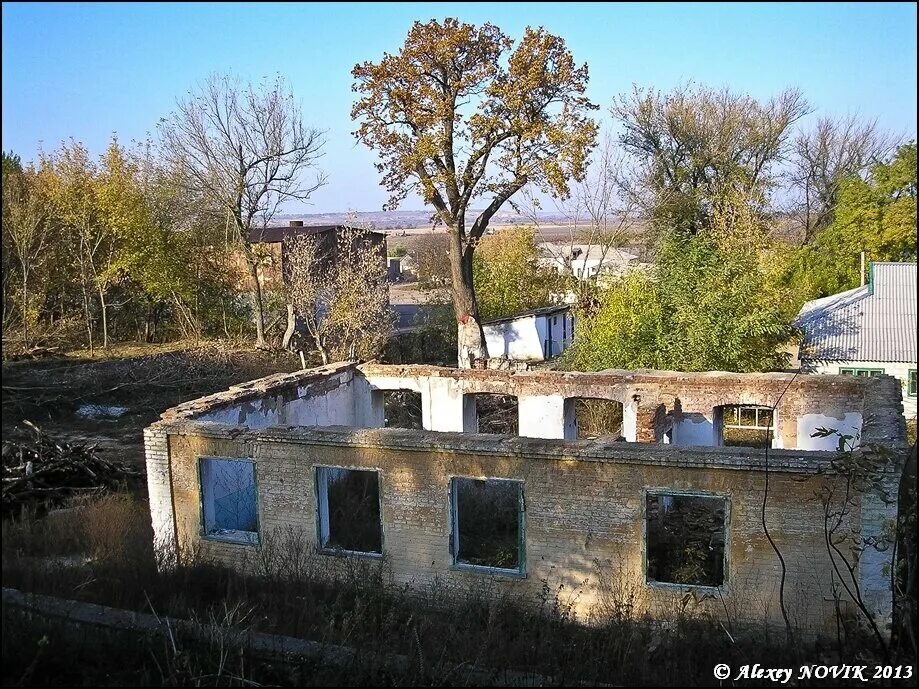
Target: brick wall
584,511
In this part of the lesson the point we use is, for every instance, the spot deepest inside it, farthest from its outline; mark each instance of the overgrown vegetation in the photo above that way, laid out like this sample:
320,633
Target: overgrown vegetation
102,552
874,213
340,293
497,414
402,409
707,305
96,252
686,539
596,418
508,275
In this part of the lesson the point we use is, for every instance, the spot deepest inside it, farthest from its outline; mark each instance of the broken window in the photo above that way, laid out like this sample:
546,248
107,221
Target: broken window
228,499
487,523
594,418
685,538
495,413
349,510
402,409
746,425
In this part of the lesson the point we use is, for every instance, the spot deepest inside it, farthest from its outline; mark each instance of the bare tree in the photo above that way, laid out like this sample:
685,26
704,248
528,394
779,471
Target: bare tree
340,293
832,150
431,254
246,150
695,143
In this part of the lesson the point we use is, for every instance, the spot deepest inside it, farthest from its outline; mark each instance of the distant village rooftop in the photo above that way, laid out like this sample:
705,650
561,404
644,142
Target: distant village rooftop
295,228
875,322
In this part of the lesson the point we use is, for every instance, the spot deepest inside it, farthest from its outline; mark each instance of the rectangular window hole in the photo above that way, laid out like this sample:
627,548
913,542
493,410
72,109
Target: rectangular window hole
496,413
746,425
349,510
597,418
228,499
487,523
685,539
402,409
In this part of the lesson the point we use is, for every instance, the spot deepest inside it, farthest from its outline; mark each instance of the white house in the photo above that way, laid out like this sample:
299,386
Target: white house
586,261
536,335
866,331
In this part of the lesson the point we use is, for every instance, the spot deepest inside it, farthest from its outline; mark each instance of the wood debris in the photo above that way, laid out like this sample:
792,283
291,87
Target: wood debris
39,470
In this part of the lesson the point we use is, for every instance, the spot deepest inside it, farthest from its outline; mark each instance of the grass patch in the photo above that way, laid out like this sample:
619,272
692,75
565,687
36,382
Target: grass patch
101,551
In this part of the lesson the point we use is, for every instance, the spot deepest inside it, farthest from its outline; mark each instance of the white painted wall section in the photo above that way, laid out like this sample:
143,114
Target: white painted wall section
443,406
694,429
850,424
518,339
542,416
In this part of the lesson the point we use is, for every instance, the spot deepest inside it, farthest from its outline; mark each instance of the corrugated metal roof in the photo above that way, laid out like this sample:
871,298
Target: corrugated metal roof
876,322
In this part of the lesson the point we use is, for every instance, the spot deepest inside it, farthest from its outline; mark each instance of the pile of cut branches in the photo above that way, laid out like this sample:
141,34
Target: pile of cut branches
39,470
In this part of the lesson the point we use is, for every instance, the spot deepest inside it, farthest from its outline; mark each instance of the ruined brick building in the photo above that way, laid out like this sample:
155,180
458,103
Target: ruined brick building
664,507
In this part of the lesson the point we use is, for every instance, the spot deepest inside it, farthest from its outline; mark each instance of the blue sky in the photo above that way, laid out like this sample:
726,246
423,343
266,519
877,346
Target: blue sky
87,70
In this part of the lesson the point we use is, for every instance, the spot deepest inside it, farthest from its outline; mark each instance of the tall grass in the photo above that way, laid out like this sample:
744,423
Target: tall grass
101,551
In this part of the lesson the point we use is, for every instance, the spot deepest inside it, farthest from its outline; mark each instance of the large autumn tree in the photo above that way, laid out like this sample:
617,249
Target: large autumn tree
462,117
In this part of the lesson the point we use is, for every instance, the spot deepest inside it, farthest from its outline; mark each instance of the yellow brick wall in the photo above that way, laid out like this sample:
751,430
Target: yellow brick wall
578,513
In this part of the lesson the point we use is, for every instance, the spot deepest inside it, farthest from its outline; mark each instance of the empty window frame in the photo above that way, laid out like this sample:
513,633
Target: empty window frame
685,539
861,372
229,506
495,413
594,417
911,383
402,409
348,502
487,524
747,425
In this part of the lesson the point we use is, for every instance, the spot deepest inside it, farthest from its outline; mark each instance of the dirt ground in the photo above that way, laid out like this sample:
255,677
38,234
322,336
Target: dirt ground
108,401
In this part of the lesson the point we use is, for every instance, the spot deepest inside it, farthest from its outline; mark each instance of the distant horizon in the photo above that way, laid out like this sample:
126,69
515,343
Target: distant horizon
88,70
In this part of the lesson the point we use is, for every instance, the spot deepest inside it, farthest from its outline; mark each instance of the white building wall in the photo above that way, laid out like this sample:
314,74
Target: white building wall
850,424
335,407
524,338
897,369
517,339
553,327
694,429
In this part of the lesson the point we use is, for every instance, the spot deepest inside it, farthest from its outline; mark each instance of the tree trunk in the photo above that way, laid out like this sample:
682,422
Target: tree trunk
256,293
25,308
104,308
291,326
147,336
322,352
89,318
470,340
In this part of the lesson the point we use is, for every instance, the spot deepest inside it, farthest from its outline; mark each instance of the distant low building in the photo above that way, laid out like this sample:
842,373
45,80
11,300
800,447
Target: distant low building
866,331
536,335
394,268
268,245
587,261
